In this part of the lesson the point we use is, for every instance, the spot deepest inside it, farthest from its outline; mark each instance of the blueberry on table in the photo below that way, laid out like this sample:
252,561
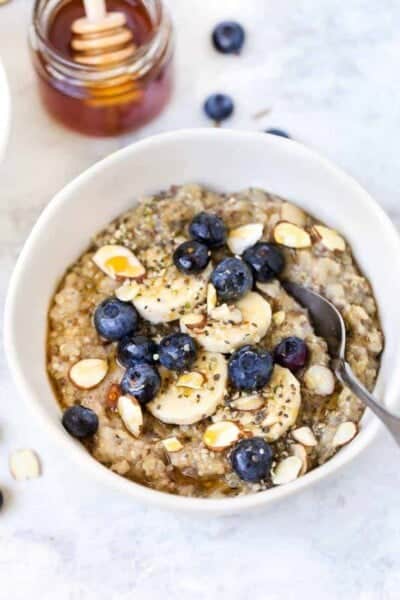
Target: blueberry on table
138,348
251,459
208,229
218,107
114,319
141,381
177,352
228,37
232,278
278,132
292,353
266,260
250,368
80,422
191,257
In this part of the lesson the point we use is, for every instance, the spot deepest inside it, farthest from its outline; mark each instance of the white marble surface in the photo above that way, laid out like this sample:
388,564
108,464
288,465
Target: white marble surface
328,71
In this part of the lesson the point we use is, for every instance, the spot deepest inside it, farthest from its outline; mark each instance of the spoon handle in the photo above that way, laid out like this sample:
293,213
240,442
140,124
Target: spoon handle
346,376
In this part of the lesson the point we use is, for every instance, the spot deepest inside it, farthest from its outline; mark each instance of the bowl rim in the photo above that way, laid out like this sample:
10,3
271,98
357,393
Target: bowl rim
216,506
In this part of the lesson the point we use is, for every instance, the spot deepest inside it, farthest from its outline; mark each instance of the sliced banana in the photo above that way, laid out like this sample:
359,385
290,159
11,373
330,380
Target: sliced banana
219,336
162,299
283,403
184,406
118,261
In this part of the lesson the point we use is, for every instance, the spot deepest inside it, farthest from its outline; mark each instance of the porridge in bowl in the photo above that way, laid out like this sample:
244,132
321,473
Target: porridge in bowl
180,361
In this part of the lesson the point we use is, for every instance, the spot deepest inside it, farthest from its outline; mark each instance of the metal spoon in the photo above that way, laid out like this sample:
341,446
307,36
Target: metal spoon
328,324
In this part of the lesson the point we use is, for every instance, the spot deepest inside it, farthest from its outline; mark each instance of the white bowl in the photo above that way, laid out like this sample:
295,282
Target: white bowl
227,161
5,110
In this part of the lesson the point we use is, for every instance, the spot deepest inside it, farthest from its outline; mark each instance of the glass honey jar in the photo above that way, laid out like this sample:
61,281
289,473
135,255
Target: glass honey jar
103,100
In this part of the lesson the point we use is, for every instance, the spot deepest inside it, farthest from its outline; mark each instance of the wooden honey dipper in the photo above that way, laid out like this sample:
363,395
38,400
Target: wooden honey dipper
101,38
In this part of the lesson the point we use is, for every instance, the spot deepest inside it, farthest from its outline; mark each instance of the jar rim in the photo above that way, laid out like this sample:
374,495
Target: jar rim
136,63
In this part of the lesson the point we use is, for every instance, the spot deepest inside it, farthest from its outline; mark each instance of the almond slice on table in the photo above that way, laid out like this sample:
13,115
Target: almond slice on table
287,470
24,464
319,380
88,372
221,435
248,403
118,262
241,238
290,235
172,444
305,436
193,380
329,238
211,298
344,433
131,414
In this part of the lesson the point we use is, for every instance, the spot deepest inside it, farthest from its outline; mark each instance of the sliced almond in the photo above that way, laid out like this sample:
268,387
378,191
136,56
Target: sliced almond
221,435
88,373
248,403
127,291
172,444
319,380
227,314
24,464
118,262
329,238
193,380
243,237
131,414
344,433
305,436
290,235
287,470
194,321
301,453
278,318
211,298
293,214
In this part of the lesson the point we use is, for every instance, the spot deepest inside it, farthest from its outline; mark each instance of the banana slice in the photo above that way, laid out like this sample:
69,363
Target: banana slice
220,336
183,406
283,403
164,298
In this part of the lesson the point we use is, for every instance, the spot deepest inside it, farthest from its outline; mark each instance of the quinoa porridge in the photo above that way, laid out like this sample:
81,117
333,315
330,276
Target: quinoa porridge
182,364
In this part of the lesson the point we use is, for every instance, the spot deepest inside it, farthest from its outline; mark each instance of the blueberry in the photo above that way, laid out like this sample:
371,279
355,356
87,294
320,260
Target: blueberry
191,257
266,260
177,352
208,229
139,348
228,37
251,459
278,132
218,107
141,381
250,368
232,278
114,319
80,422
291,353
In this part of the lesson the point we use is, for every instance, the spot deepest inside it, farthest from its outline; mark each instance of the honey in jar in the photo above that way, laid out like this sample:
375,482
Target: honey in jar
103,100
